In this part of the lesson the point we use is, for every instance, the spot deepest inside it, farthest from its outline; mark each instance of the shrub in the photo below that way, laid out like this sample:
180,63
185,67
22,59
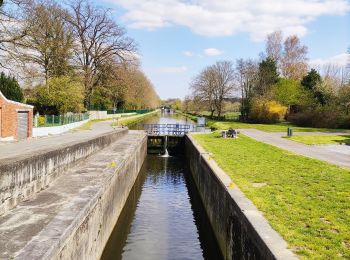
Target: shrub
263,111
326,118
41,120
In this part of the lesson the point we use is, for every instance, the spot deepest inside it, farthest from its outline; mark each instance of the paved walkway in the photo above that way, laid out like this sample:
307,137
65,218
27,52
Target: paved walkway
30,146
335,155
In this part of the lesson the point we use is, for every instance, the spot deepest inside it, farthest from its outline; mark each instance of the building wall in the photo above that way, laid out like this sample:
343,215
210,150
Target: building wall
9,118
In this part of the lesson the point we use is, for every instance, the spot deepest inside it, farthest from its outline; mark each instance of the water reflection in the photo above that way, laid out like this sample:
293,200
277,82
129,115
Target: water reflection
163,217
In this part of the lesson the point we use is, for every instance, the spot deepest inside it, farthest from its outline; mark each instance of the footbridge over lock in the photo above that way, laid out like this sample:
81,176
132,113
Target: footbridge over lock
164,138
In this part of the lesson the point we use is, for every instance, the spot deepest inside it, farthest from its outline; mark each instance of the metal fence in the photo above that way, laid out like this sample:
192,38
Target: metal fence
121,111
57,120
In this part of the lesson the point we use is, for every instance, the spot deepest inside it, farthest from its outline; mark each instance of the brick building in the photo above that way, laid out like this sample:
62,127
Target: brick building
16,119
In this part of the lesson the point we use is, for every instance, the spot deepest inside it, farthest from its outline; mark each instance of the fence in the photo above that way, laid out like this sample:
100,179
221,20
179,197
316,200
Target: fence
53,120
121,111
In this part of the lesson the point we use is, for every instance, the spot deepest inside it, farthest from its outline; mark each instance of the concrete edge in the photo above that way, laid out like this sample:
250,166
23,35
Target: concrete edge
56,244
271,238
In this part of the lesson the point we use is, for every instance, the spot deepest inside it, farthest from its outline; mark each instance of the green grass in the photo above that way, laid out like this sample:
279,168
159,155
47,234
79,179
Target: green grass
280,127
307,201
321,139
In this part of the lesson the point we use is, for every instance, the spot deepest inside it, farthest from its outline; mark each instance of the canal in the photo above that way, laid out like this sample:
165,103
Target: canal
163,217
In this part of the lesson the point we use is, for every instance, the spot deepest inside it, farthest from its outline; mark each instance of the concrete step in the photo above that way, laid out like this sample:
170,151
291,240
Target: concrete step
74,216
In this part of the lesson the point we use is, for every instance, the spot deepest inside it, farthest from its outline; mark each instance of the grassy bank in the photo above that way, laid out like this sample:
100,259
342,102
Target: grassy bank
279,127
321,139
305,200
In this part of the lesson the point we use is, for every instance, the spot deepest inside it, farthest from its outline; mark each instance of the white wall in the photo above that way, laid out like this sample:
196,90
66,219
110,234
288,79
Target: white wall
54,130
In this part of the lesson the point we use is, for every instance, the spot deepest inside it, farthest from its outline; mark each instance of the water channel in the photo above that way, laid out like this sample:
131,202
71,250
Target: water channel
163,217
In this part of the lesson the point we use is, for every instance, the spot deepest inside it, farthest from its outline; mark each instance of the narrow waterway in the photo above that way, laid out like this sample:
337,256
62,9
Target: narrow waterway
164,217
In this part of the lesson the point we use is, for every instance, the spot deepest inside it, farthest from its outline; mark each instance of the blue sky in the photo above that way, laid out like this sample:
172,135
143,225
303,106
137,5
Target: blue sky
178,38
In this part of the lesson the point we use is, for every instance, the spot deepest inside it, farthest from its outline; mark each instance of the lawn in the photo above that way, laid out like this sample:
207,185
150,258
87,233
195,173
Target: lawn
321,139
279,127
307,201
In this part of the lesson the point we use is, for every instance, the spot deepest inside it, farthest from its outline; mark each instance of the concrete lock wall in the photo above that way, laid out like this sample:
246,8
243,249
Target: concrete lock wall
91,236
23,176
241,230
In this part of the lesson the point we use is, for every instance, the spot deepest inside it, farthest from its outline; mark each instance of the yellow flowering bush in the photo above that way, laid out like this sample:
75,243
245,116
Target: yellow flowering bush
265,111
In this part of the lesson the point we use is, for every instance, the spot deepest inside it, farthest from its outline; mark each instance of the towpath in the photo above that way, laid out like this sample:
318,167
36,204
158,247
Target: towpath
334,154
32,146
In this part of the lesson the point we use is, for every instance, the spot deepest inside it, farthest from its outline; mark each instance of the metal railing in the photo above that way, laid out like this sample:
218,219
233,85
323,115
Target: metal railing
167,129
57,120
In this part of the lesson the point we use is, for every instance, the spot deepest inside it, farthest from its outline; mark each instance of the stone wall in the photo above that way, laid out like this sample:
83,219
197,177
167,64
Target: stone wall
23,176
241,230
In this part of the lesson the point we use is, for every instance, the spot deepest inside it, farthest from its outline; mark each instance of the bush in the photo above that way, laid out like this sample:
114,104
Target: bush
263,111
326,118
41,120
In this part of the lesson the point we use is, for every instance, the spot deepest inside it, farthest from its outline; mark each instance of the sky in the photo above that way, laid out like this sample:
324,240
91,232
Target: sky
178,38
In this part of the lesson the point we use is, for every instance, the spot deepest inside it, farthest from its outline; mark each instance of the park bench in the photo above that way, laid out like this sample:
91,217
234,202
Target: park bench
230,133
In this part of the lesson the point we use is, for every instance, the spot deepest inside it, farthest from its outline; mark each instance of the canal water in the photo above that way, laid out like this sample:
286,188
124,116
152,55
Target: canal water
164,217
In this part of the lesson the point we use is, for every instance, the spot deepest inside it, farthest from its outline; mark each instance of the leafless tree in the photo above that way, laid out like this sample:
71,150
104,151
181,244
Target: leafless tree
203,87
224,83
274,46
12,26
247,77
294,60
98,38
48,42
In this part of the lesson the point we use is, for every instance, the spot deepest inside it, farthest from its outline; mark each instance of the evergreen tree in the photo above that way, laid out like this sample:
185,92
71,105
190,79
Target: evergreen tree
311,82
268,76
10,88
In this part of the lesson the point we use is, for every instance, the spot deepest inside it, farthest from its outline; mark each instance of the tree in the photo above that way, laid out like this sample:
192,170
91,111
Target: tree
294,59
203,87
268,76
64,93
12,26
289,92
274,46
314,84
48,42
247,77
10,88
224,83
213,85
98,39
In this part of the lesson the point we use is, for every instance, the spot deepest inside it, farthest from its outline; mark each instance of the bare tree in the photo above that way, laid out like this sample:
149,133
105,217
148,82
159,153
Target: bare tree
247,78
48,42
274,46
203,87
98,38
224,83
294,60
12,26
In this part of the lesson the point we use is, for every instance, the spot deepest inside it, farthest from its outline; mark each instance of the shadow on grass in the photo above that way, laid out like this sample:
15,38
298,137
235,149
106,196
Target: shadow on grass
346,140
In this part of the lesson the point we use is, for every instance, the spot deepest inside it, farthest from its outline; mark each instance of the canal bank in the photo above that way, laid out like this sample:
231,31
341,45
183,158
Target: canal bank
241,230
74,216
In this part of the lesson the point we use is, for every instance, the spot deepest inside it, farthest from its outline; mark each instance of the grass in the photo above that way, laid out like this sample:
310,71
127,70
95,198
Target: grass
125,120
306,200
321,139
279,127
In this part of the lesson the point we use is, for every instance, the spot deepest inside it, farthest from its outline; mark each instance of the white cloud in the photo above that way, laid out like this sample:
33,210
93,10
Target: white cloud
340,60
188,53
168,70
223,17
212,52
